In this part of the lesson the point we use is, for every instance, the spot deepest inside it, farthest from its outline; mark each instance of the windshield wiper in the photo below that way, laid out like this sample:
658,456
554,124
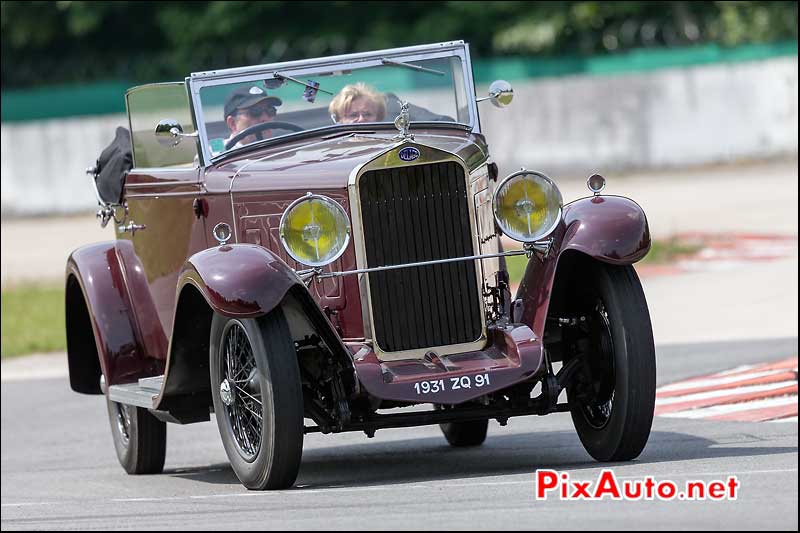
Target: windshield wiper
412,67
304,84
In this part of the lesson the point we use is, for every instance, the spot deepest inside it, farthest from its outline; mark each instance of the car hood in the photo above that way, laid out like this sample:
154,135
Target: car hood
326,162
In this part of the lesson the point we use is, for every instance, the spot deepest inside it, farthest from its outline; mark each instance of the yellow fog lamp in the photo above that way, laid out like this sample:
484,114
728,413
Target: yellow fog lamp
527,206
315,230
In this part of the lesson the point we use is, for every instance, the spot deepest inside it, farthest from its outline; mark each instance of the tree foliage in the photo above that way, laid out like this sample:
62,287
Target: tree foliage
48,42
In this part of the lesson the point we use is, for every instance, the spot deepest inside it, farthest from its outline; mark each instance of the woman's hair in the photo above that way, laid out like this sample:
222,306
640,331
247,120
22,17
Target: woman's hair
351,92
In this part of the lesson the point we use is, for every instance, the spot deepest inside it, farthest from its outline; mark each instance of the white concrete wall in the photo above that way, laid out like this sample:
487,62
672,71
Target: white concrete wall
576,124
666,118
44,163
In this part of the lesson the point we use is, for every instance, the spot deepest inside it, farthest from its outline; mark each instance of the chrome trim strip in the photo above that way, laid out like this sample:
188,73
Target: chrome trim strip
196,81
160,194
471,91
422,263
358,244
133,394
199,117
161,170
145,185
384,160
377,130
233,215
211,74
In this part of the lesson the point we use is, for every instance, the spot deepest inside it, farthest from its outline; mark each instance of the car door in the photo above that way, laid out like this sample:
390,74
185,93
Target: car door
161,230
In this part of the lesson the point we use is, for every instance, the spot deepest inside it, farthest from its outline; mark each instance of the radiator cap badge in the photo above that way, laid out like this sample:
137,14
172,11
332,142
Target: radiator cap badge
409,153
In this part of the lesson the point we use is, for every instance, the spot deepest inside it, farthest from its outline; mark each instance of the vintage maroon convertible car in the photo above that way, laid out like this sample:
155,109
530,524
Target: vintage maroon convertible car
335,267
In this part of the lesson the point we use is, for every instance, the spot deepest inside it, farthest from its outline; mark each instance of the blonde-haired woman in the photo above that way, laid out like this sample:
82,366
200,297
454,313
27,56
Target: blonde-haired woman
357,103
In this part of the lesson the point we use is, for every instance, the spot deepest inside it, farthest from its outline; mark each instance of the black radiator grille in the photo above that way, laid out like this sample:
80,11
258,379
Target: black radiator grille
412,214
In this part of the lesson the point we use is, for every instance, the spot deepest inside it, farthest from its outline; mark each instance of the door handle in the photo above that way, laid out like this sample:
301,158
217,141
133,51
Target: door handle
132,227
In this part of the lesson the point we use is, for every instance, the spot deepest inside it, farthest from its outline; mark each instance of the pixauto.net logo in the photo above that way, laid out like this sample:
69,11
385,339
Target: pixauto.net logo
550,483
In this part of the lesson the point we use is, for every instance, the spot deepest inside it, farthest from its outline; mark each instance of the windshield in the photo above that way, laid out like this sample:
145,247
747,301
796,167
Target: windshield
244,109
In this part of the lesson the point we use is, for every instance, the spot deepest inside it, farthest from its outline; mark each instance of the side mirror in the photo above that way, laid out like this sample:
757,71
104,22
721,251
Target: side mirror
169,132
500,93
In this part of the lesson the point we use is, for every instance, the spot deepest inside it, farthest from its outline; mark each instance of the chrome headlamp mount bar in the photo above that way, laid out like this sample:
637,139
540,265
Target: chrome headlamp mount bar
542,247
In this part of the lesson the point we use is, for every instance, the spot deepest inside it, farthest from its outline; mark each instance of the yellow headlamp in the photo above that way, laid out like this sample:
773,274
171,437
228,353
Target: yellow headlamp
527,206
315,230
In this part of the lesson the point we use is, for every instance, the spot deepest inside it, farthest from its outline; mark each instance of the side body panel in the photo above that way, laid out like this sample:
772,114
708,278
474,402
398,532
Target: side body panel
258,218
128,285
162,202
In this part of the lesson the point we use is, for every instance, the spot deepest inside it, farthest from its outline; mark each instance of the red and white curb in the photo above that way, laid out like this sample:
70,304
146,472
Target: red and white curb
715,252
721,252
752,393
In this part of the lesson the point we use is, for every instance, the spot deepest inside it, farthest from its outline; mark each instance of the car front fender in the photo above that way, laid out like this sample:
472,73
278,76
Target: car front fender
612,229
239,280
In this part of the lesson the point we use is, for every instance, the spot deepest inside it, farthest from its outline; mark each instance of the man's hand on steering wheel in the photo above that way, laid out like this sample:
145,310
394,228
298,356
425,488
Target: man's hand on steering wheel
258,128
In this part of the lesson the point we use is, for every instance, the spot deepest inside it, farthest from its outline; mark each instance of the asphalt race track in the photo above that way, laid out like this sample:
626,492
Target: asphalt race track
59,470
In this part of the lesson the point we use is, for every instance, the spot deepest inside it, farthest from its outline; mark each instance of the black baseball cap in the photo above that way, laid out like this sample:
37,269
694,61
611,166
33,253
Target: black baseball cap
247,96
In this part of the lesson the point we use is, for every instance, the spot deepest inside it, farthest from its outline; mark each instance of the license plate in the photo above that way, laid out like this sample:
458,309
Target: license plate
461,382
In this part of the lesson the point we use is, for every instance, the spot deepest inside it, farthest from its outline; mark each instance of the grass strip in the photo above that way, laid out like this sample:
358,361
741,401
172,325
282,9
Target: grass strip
32,319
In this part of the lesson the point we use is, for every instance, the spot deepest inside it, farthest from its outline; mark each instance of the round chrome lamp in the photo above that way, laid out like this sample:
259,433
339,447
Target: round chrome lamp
315,230
527,206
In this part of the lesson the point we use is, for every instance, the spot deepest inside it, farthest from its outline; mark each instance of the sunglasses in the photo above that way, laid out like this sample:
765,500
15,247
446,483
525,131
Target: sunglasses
368,115
259,110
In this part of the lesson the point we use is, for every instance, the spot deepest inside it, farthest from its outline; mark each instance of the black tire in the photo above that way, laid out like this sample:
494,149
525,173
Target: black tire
265,451
140,439
463,434
616,426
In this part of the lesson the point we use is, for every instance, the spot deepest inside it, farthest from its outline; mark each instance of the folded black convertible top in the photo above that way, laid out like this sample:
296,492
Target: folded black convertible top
112,166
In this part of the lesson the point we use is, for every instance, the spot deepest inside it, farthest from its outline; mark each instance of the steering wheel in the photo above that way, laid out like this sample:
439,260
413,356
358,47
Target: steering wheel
258,128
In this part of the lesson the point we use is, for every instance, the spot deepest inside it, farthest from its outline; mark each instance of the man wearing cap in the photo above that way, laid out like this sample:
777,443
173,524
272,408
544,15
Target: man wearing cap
248,106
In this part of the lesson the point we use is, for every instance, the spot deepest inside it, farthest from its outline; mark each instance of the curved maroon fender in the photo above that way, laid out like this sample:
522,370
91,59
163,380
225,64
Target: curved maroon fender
239,280
612,229
100,274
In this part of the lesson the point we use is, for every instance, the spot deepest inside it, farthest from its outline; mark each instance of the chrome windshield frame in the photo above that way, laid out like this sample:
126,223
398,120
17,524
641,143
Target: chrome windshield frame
198,80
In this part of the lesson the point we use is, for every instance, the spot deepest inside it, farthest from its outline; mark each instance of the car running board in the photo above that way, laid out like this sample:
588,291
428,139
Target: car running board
141,394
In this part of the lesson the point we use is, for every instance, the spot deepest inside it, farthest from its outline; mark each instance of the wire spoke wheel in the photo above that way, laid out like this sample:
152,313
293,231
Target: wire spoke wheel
240,390
258,399
123,423
598,409
612,398
140,439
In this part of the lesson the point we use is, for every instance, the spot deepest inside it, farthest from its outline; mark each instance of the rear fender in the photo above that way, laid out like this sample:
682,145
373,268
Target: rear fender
102,332
611,229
